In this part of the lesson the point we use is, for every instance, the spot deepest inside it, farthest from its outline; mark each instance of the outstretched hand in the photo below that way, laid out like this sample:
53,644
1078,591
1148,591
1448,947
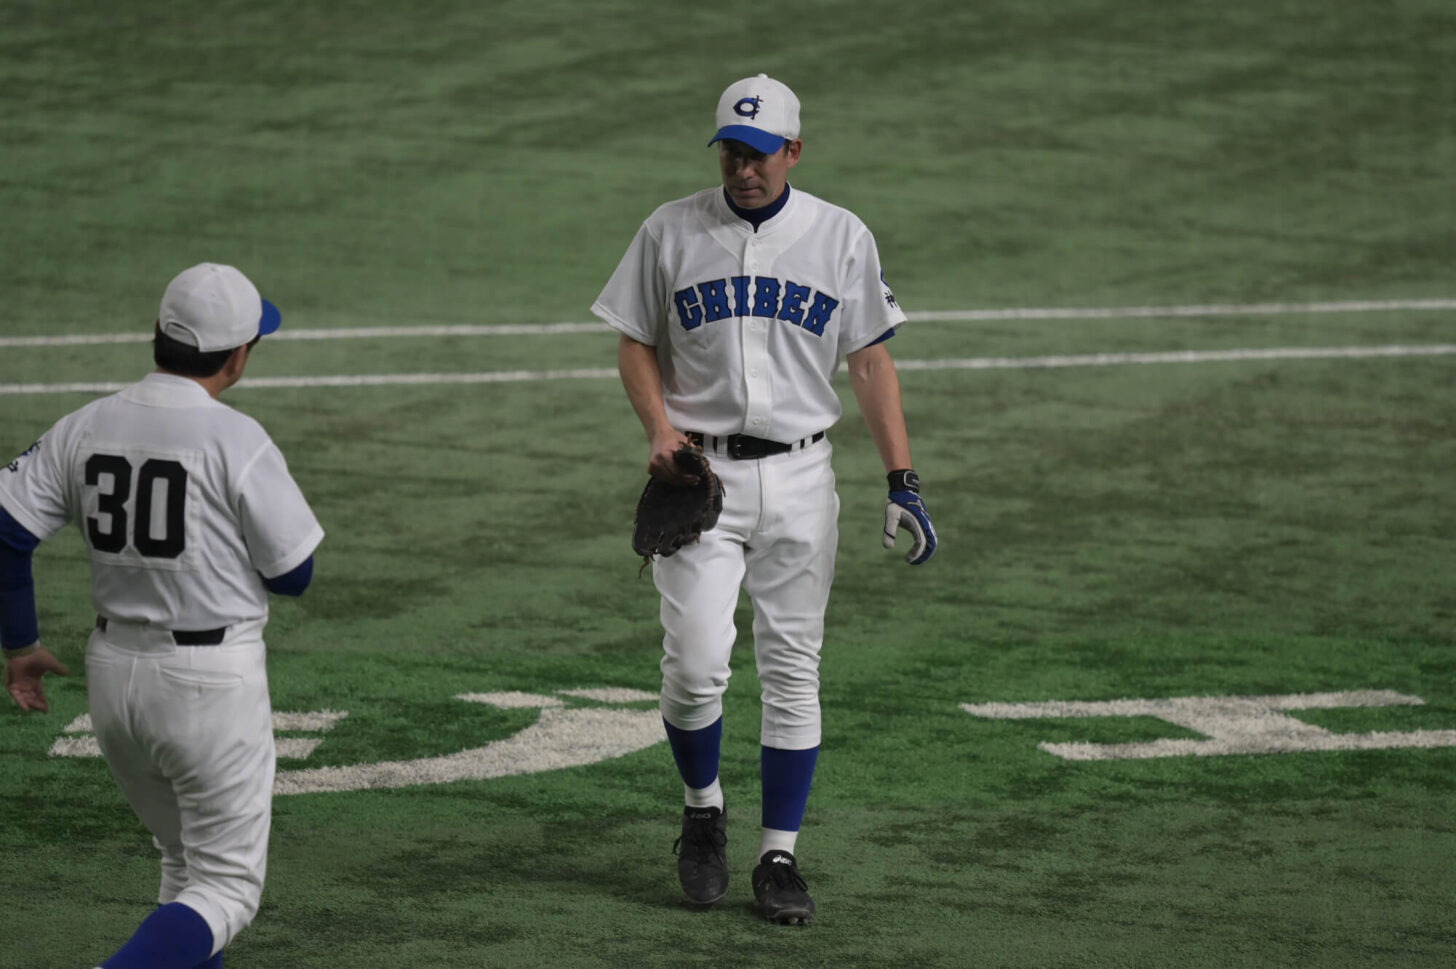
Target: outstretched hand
23,676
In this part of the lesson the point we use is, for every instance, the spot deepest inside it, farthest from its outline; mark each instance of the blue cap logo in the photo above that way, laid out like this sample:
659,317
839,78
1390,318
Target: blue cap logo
747,107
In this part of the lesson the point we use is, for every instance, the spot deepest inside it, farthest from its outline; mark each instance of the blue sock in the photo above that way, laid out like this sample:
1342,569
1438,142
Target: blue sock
172,937
696,752
214,963
786,775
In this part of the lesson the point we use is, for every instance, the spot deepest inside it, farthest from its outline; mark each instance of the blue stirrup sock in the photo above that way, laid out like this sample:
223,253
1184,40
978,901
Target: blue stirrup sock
786,775
696,753
172,937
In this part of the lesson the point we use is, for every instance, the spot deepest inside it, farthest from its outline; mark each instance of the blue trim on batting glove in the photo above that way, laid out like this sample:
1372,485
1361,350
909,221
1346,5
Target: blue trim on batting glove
912,503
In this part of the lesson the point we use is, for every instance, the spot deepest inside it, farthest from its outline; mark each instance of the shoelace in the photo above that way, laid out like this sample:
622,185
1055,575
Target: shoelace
783,875
702,839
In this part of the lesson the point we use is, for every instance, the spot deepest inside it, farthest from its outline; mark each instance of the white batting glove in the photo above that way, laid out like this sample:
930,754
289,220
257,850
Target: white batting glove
904,508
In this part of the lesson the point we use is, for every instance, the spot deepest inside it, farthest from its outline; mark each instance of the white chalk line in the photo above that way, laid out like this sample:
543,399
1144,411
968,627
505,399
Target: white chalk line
973,363
1157,312
925,316
339,333
1180,356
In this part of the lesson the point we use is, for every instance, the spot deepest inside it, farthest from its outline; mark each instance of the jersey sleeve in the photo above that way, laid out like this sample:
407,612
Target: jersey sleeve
874,312
18,626
279,527
34,487
633,301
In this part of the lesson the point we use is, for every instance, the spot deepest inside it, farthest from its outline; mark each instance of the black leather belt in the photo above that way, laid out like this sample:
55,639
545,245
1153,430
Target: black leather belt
185,637
744,448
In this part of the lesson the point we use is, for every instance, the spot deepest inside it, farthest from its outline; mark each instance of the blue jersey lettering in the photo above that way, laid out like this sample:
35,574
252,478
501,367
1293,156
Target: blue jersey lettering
793,308
819,313
766,302
688,311
715,300
772,298
740,295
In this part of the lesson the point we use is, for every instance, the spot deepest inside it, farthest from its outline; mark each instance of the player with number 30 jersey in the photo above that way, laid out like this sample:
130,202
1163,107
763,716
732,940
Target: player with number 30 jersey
191,519
184,503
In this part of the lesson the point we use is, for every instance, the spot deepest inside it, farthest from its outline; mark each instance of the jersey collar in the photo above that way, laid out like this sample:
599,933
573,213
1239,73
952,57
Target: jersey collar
757,217
163,389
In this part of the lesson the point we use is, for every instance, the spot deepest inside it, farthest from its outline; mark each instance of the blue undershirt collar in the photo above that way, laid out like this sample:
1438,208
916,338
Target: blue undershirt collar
757,217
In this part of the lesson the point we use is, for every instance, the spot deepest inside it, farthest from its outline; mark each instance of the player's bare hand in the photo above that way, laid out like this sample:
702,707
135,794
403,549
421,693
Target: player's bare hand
663,466
23,676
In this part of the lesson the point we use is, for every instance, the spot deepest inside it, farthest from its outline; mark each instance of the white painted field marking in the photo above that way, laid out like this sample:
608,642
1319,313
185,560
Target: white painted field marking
319,721
1180,356
1161,312
920,316
1233,724
335,333
560,738
360,380
972,363
610,694
512,700
77,739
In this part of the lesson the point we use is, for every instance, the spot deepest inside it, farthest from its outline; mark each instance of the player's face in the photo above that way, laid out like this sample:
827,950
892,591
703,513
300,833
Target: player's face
752,178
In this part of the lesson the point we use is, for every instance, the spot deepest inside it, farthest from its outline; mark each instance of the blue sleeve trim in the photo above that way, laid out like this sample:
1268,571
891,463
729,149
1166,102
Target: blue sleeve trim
18,626
291,583
882,337
14,534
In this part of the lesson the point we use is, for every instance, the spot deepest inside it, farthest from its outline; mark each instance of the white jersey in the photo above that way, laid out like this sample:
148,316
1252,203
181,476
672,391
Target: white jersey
750,326
182,501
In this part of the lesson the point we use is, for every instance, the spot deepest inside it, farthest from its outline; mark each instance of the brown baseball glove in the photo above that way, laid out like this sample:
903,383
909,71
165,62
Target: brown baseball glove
670,516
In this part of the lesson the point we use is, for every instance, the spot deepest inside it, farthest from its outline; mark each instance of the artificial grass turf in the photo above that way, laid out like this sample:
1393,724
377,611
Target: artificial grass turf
1184,530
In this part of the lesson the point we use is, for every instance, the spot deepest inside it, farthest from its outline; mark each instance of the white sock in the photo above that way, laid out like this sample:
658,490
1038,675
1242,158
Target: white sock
701,797
772,840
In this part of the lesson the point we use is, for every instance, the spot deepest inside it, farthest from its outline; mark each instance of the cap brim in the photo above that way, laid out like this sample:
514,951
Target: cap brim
271,319
755,138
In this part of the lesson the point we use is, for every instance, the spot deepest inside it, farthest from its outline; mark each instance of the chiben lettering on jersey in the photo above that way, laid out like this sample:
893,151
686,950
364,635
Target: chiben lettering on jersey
763,296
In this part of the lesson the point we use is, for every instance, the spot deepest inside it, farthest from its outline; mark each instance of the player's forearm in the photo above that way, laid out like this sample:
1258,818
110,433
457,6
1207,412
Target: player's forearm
877,391
642,379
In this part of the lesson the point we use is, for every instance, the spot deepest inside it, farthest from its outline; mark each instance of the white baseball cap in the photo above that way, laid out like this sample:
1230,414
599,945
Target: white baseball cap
214,307
760,112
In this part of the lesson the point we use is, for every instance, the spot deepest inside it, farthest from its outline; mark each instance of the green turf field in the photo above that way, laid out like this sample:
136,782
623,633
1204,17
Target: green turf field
1261,517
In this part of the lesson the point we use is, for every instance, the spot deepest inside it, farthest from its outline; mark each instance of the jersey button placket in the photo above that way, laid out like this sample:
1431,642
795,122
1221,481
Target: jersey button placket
754,334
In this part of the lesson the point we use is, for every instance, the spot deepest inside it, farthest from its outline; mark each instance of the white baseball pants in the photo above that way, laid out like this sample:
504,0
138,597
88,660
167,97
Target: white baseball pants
776,539
187,732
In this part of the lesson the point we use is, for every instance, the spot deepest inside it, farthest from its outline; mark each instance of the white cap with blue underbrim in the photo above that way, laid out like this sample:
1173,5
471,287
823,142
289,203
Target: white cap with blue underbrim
760,112
215,307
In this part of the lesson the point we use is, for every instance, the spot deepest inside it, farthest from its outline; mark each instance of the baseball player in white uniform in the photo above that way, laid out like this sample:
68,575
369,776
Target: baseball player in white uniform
734,307
190,518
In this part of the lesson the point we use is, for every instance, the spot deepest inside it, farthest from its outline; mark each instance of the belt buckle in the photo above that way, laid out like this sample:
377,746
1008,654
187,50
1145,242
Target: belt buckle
735,447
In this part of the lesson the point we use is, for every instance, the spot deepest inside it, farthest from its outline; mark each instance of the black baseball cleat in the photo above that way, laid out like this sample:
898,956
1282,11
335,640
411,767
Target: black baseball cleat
780,890
702,863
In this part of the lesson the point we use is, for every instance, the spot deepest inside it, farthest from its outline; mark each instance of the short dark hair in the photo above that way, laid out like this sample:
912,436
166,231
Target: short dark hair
174,356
